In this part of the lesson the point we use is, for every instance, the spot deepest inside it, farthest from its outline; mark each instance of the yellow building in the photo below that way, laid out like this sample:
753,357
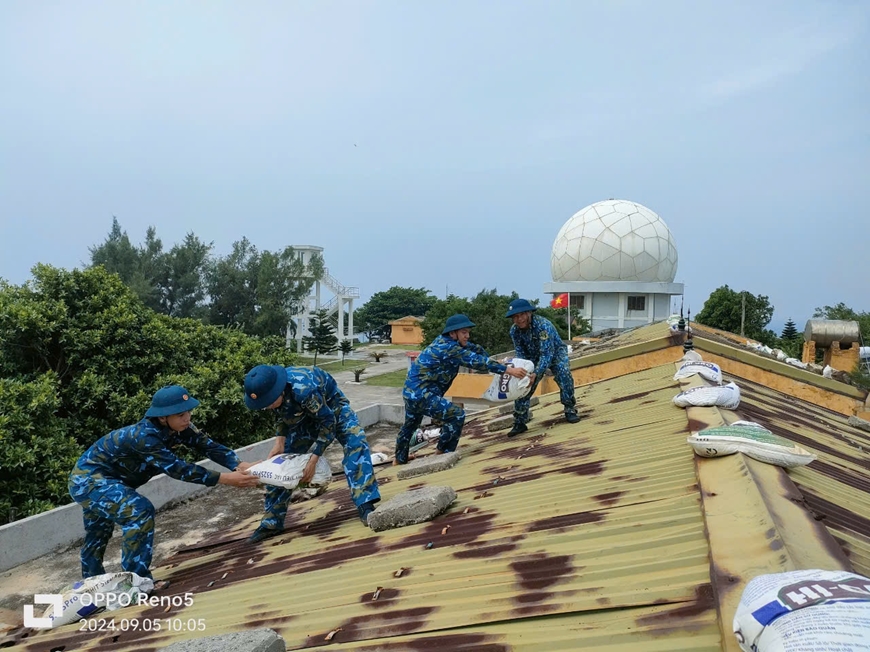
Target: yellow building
407,330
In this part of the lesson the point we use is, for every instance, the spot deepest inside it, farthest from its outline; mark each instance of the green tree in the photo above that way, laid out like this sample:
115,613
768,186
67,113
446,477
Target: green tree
259,291
395,303
790,340
322,339
724,309
345,347
138,267
181,280
80,355
170,282
789,331
486,309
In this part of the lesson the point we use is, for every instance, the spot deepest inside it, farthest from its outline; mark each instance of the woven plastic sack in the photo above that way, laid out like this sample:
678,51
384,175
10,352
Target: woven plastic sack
286,470
726,396
508,388
708,370
806,611
108,591
753,440
379,458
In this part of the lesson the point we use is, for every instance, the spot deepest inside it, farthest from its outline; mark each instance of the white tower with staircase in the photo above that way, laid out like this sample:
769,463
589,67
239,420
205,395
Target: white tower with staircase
342,298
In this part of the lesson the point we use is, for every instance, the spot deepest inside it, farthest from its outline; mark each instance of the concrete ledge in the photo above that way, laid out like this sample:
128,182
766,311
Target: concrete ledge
411,507
383,413
859,423
61,527
428,464
38,535
256,640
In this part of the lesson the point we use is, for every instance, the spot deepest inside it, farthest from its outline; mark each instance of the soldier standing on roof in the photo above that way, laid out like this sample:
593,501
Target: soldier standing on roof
431,376
536,339
313,412
105,478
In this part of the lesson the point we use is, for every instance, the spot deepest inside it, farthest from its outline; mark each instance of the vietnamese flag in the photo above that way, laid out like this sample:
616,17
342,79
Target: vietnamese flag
560,301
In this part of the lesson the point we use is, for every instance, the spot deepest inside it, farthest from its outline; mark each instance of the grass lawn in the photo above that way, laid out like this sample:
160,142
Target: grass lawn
328,364
390,379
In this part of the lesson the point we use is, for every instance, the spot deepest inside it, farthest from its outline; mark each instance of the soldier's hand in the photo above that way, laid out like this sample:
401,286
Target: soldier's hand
239,479
532,377
276,450
516,372
308,473
244,466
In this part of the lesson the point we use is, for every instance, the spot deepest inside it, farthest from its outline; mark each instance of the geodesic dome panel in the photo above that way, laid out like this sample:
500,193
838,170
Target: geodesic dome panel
614,240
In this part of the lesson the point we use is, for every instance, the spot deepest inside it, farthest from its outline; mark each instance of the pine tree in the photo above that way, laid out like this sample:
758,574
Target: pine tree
322,338
346,347
789,331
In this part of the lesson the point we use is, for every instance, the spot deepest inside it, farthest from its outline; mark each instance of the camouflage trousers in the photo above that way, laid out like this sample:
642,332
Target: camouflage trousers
451,416
357,465
105,503
562,374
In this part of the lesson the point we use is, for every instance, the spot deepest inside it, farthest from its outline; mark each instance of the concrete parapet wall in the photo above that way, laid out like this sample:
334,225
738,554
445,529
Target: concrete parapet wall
61,527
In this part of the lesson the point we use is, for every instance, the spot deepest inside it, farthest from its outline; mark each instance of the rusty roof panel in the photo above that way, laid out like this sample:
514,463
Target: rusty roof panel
595,525
835,486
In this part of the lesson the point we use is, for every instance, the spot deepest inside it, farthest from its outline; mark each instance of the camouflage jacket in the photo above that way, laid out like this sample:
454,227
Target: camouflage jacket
540,343
311,408
135,454
438,364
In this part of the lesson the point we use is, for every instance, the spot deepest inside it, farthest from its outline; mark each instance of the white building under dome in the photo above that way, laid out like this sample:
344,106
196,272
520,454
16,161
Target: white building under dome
617,260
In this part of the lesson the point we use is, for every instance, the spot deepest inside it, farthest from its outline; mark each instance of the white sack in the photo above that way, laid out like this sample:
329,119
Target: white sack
806,610
726,396
108,591
751,439
507,388
286,470
707,370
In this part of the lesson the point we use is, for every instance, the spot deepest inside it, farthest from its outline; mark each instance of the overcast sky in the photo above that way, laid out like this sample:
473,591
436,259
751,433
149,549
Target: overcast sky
443,144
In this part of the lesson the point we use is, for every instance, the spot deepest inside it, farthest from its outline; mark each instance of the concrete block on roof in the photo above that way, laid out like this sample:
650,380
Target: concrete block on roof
859,423
503,423
255,640
428,464
410,507
508,408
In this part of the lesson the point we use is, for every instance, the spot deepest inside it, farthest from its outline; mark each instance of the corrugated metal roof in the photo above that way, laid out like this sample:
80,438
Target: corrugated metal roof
596,526
836,486
587,536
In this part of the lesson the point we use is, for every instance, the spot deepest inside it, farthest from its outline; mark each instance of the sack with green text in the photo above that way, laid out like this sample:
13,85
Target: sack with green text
753,440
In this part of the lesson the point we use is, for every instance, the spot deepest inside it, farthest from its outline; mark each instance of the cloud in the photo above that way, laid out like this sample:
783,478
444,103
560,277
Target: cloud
781,56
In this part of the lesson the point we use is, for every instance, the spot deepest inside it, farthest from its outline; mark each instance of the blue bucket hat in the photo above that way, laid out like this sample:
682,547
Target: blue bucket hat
173,399
457,322
263,385
518,306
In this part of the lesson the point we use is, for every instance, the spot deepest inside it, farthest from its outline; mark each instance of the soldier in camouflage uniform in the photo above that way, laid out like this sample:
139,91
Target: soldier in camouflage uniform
431,376
105,478
313,412
537,340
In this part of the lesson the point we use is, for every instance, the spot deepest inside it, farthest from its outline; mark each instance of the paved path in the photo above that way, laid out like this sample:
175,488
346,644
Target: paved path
362,395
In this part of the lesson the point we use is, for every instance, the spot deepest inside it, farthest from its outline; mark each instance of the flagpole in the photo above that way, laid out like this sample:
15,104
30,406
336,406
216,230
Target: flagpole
569,317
